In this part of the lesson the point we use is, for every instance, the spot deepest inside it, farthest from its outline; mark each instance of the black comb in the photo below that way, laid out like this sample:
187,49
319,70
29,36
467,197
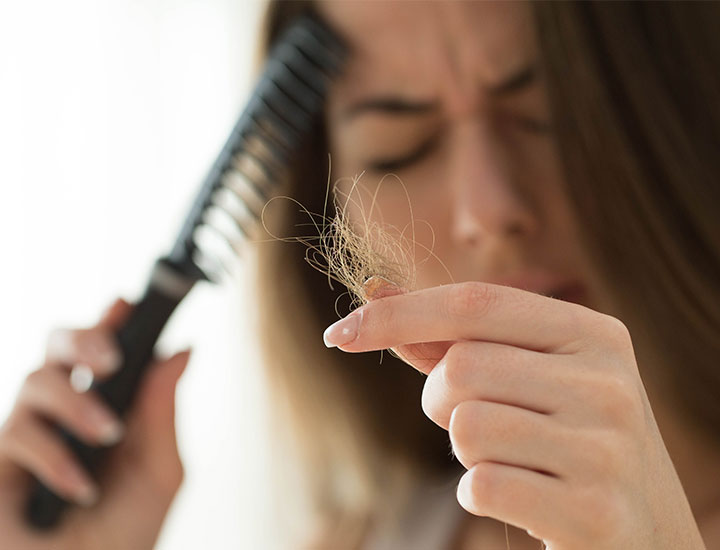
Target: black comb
282,111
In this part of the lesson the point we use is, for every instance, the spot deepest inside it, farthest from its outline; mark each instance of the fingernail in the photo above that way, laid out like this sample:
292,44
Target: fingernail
377,287
109,430
108,356
343,331
84,491
111,433
111,359
87,496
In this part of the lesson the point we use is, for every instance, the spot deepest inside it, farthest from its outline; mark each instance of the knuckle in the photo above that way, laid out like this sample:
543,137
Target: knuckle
601,513
471,300
178,474
169,479
62,342
34,379
456,365
461,423
605,456
618,400
616,332
54,340
11,428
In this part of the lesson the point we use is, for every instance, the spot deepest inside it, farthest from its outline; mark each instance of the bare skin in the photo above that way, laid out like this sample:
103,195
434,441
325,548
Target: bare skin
482,169
551,418
144,472
490,189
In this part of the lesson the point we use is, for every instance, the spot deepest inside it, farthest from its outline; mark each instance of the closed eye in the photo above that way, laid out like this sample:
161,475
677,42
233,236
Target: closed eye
533,126
394,164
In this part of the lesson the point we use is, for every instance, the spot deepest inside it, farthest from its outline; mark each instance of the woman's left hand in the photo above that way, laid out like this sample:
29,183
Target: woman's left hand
545,408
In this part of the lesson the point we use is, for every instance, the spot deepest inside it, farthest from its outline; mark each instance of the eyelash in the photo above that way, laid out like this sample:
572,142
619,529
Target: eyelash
391,165
532,125
528,124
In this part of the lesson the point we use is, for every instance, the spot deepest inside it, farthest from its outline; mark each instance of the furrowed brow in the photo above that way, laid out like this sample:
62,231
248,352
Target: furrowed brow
389,105
398,106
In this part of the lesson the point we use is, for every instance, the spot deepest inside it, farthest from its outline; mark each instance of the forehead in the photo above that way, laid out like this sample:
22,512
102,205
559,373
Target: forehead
420,49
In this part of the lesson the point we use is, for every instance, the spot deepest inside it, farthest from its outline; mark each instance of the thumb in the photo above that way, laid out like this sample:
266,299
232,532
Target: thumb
151,423
115,314
423,355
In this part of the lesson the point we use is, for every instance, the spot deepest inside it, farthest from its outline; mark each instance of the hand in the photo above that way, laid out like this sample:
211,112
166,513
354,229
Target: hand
143,472
545,407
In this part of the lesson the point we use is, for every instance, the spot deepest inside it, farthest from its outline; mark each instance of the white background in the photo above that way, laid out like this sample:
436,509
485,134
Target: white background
111,112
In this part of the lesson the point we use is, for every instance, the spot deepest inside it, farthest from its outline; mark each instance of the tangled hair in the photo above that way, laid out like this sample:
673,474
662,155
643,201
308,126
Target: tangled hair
352,251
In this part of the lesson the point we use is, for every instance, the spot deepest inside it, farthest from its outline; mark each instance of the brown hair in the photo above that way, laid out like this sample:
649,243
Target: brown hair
632,89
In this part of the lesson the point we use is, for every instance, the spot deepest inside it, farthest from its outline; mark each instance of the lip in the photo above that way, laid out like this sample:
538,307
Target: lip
575,293
537,282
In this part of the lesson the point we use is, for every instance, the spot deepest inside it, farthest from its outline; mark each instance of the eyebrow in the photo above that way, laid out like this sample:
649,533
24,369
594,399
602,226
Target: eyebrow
392,105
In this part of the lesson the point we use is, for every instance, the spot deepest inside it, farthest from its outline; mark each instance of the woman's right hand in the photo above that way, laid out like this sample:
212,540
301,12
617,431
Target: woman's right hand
126,508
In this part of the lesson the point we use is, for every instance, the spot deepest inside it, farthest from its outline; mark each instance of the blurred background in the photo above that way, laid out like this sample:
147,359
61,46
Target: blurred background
111,112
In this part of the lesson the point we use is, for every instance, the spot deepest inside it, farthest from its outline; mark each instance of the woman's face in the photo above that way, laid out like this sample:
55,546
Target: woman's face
448,96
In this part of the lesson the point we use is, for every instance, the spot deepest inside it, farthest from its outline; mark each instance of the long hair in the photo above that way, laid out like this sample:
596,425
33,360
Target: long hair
632,89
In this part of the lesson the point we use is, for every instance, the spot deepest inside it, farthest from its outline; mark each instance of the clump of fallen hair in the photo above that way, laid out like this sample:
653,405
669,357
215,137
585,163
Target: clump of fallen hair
353,251
350,251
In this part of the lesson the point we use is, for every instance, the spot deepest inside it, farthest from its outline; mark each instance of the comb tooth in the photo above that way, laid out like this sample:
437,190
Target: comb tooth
254,169
302,94
266,134
239,184
326,50
280,129
207,261
219,252
288,107
312,75
250,165
230,228
263,152
242,217
282,116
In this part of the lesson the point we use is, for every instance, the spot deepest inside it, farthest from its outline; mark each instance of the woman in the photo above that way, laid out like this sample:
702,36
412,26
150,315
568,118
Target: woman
563,155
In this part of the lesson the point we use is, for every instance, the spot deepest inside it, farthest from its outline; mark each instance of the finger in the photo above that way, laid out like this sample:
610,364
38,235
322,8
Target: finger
466,311
95,347
151,437
523,498
48,392
422,356
493,432
376,287
157,397
488,371
115,315
35,447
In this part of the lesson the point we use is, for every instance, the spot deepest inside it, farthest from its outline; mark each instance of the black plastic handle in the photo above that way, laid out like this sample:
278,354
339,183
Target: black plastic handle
136,339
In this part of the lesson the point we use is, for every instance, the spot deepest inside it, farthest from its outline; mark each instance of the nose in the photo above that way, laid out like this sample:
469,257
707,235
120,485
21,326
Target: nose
485,200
